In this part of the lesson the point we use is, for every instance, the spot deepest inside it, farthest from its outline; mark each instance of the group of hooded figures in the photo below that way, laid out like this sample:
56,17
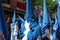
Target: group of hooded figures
30,29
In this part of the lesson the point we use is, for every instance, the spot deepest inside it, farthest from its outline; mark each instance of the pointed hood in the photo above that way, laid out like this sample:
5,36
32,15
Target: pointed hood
59,15
21,19
3,23
46,21
45,15
14,18
55,26
29,10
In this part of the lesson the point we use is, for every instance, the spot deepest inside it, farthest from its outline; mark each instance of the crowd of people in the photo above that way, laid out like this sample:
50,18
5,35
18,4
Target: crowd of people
31,28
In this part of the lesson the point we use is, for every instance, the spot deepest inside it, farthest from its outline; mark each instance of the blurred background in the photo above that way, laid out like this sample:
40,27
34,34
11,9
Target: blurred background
20,7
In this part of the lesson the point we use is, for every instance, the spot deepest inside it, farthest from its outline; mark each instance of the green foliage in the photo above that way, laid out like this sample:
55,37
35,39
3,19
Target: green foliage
51,5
